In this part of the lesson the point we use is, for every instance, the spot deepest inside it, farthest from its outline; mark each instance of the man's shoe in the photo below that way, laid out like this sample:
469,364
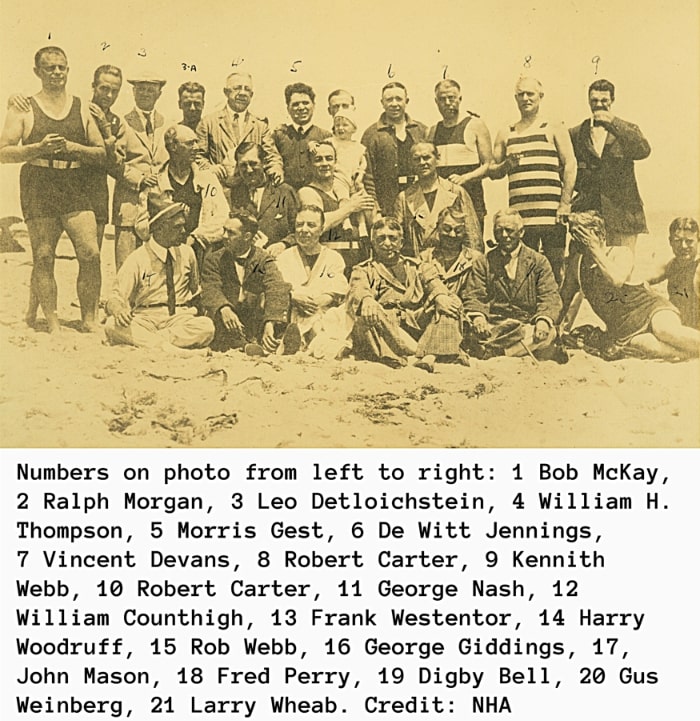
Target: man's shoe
254,350
291,340
426,363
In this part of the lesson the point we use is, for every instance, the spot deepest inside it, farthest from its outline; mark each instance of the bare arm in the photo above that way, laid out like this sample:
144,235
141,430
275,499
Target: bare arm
569,290
658,274
501,164
484,149
10,149
615,263
565,148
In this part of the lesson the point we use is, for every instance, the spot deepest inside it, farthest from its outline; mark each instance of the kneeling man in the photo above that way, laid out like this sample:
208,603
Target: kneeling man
511,296
152,300
243,290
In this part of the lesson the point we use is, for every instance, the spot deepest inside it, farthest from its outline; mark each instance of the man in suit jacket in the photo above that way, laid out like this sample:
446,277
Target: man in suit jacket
388,297
606,148
274,206
243,290
144,156
418,207
292,139
221,132
513,282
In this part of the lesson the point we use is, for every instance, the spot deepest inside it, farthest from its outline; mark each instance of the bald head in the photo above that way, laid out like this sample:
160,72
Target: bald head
180,142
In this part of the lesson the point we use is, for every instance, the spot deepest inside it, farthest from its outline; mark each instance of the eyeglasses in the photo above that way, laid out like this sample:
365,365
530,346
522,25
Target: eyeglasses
510,232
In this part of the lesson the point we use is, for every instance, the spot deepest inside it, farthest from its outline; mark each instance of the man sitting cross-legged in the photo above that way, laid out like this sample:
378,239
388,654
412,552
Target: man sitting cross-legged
152,300
388,298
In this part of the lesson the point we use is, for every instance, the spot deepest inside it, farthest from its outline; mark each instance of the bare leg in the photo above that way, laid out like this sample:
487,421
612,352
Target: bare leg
32,308
44,234
652,347
100,234
124,244
82,230
667,327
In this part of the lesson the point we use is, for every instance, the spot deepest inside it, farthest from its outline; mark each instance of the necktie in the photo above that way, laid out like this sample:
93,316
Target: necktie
149,125
300,130
170,283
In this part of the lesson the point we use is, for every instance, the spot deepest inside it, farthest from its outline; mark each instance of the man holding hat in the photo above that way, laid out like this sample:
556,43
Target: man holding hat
151,301
145,154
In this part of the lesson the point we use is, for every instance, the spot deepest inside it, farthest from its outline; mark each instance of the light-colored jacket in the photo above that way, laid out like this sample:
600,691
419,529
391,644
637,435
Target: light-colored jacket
143,156
419,222
218,138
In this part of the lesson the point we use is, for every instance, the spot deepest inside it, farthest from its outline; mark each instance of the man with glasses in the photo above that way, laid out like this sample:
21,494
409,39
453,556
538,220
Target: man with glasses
452,259
511,294
220,133
199,189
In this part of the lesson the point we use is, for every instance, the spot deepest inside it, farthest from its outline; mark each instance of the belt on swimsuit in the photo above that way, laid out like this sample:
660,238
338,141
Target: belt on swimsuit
56,164
406,179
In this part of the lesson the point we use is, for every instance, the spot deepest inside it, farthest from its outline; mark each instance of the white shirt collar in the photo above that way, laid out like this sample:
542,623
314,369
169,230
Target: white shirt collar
159,251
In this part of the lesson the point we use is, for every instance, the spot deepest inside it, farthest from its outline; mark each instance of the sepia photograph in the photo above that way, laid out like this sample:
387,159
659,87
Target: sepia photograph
361,225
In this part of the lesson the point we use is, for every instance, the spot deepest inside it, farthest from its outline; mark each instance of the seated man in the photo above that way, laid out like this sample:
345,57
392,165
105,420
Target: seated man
243,291
388,297
512,289
633,314
316,274
275,206
151,302
451,259
197,188
683,271
417,208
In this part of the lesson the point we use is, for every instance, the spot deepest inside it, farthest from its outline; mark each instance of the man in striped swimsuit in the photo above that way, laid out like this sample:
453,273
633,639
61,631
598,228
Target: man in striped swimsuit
539,160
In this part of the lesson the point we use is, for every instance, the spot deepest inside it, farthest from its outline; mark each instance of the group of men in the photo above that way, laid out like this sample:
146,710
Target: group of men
310,239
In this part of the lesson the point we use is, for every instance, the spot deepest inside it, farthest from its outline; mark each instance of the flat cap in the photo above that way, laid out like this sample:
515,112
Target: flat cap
146,76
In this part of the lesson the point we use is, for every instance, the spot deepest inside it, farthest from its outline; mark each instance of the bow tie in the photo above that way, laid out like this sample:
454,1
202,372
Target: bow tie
240,261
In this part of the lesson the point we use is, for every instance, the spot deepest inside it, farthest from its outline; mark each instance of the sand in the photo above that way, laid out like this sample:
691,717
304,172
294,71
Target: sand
72,390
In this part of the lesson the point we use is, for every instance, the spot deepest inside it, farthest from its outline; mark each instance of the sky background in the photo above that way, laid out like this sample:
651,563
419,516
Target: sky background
650,53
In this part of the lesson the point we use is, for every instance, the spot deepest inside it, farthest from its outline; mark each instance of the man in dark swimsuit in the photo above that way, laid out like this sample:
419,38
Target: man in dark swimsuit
56,141
633,314
683,271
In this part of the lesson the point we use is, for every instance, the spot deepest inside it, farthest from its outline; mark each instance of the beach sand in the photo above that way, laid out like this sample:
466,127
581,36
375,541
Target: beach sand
73,390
